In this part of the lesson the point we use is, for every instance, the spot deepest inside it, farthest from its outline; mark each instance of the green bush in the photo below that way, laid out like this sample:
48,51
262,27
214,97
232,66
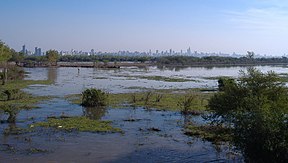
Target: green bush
93,98
255,107
11,94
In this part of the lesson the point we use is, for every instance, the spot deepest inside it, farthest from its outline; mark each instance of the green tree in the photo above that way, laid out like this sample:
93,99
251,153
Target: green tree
250,55
52,56
5,55
94,98
256,109
17,57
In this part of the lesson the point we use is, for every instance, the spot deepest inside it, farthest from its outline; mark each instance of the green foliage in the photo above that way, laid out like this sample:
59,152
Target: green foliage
13,73
11,94
17,57
256,109
223,81
5,52
94,97
52,56
213,133
160,99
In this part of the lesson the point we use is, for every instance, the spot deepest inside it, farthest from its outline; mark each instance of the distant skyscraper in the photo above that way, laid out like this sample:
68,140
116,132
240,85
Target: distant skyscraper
23,49
189,51
37,51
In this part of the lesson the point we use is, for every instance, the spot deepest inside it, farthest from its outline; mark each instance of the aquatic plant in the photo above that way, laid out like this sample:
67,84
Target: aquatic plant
93,98
186,103
83,124
159,97
133,97
147,97
213,133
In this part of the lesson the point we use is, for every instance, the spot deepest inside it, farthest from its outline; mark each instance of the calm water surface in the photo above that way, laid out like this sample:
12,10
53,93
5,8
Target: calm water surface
138,143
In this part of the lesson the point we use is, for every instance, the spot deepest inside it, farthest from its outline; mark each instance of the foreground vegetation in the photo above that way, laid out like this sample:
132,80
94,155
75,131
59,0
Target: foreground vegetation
12,98
255,109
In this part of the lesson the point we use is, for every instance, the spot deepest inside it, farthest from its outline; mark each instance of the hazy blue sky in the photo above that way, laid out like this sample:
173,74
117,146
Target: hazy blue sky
111,25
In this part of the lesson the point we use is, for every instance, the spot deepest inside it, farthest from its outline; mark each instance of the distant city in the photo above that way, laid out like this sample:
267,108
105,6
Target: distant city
156,53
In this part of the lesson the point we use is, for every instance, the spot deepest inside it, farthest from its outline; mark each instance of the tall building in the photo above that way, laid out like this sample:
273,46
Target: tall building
189,51
37,51
23,49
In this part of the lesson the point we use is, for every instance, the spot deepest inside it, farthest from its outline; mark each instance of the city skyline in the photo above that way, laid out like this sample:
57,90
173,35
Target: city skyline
206,26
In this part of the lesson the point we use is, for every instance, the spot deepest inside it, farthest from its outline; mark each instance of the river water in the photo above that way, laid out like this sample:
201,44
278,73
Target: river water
138,143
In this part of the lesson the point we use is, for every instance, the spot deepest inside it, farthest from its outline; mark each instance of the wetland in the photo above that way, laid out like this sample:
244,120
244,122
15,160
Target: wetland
142,122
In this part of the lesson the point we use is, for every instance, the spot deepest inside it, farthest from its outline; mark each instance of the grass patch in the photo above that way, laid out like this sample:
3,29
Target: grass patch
26,101
160,99
29,102
13,99
164,100
212,133
20,84
82,124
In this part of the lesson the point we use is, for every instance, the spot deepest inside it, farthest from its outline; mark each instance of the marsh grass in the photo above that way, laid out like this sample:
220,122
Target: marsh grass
82,124
186,103
160,99
13,99
213,133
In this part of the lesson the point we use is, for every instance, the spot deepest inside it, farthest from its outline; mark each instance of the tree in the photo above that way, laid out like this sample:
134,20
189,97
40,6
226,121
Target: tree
250,54
17,57
94,98
52,56
256,109
5,55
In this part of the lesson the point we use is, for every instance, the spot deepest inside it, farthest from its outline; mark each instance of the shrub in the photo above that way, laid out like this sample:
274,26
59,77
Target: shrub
256,108
186,103
93,97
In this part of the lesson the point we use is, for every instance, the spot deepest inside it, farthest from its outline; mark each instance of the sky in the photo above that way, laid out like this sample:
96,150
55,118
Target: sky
224,26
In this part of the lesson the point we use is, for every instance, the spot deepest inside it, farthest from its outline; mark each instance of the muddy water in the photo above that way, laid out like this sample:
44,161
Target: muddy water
149,135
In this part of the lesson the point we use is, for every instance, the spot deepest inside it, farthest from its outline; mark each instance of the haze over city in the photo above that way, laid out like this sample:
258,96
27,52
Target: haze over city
111,25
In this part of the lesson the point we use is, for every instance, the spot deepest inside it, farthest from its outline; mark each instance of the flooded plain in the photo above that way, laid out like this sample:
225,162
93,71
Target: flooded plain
148,135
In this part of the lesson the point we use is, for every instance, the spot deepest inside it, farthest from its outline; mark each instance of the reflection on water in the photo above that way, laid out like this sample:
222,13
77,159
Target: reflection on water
52,75
95,113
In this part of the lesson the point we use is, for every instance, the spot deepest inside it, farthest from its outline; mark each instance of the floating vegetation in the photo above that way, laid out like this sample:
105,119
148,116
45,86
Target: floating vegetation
82,124
213,133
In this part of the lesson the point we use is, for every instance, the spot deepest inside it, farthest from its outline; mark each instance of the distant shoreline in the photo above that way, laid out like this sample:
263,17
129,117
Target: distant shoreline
146,64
